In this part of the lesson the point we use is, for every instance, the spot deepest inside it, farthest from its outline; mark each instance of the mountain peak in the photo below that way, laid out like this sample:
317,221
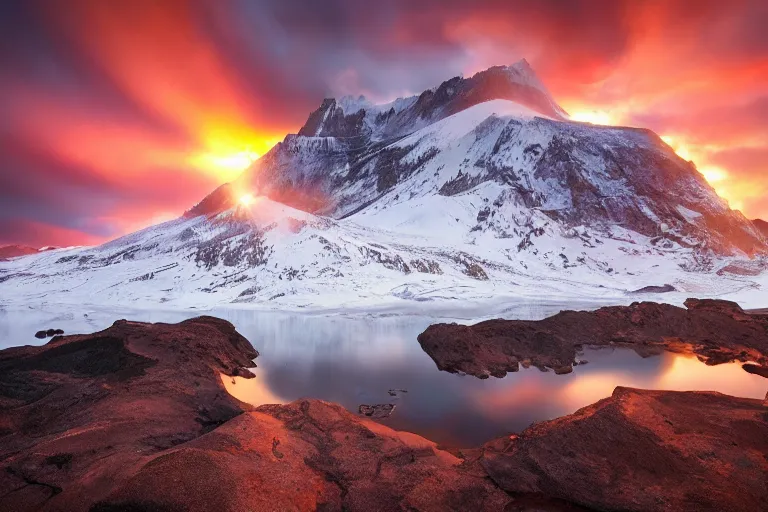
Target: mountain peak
359,118
522,67
521,75
523,71
351,104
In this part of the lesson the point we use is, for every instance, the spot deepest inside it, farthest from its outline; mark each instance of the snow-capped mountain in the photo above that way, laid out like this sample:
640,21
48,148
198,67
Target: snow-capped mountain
479,189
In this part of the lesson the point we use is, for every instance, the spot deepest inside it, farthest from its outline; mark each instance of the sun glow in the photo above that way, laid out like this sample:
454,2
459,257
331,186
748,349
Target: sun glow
678,146
713,174
247,199
227,166
600,117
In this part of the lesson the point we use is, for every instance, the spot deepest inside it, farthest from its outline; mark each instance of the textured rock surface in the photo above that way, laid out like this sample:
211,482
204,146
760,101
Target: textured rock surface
719,331
136,418
309,455
103,404
642,451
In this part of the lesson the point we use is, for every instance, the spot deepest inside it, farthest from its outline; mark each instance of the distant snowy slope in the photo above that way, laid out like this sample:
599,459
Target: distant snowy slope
14,251
427,249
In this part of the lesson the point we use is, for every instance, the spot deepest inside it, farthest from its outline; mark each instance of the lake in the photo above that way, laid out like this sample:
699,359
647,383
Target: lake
357,359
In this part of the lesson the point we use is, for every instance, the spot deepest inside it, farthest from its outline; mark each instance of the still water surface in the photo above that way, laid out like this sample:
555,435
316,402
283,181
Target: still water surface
355,360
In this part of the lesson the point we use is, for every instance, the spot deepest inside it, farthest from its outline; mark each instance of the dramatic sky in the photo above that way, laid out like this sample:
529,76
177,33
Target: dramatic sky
115,114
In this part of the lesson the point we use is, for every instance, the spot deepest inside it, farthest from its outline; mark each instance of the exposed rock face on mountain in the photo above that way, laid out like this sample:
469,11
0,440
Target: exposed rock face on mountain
136,418
362,120
719,331
351,154
221,199
643,451
762,226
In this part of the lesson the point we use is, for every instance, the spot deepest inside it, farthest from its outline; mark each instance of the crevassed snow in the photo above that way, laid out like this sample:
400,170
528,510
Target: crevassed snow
689,215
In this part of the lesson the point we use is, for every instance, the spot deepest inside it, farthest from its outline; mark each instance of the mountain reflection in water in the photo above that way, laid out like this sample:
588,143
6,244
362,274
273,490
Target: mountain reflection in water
353,361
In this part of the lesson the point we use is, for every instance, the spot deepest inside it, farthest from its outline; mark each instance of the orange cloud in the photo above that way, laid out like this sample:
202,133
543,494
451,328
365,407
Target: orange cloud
158,56
696,74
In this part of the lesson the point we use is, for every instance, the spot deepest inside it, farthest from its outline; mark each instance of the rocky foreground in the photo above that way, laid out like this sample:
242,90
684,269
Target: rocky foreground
136,418
717,331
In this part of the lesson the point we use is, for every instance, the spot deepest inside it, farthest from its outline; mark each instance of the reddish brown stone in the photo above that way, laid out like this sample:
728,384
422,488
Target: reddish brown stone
107,403
136,418
643,451
718,331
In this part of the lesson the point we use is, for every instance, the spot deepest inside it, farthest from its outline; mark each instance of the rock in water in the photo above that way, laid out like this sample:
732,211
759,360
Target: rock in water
756,369
136,417
104,404
717,330
377,411
47,333
656,289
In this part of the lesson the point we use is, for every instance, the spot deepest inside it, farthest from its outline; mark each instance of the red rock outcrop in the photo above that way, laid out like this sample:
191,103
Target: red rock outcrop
716,330
83,413
308,455
641,451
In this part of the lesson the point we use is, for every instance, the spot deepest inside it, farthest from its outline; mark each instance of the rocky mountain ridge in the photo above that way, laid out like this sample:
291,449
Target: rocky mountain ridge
361,120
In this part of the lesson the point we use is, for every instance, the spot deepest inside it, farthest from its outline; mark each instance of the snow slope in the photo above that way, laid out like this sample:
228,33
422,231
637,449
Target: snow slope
412,253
